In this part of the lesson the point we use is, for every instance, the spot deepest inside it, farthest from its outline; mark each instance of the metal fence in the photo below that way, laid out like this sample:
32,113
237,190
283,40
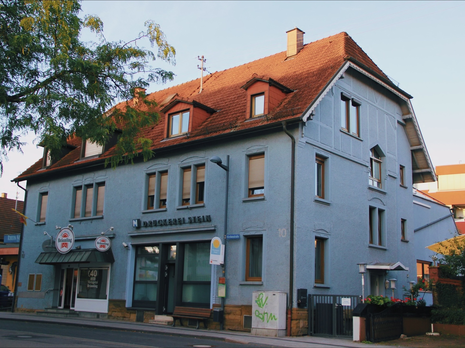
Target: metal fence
331,315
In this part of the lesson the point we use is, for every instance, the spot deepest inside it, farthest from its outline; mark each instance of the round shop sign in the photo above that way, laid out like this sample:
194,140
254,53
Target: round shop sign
64,241
102,243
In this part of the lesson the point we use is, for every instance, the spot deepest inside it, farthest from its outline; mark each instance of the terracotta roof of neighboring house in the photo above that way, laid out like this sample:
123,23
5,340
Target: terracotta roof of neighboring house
9,220
460,227
306,74
449,197
450,169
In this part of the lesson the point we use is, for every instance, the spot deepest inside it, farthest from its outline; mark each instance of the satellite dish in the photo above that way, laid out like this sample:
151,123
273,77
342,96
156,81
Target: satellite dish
47,245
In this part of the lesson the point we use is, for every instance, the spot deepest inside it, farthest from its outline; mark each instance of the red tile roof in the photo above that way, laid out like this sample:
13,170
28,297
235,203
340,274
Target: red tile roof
9,220
307,74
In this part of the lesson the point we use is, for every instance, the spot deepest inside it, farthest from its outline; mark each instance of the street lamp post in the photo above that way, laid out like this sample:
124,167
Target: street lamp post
362,268
219,162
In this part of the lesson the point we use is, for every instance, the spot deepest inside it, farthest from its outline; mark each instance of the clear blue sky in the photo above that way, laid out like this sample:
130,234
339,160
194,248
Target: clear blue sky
419,45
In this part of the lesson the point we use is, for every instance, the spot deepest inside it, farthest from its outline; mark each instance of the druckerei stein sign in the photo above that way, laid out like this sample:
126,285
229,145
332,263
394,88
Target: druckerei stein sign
64,241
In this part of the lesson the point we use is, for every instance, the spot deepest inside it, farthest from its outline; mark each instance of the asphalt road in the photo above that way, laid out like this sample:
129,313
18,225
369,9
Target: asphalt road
16,334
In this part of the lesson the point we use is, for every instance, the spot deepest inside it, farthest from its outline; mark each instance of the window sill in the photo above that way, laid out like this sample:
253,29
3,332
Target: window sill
350,134
253,199
403,186
250,283
321,201
377,189
192,206
40,223
404,240
158,210
374,246
176,136
86,218
321,286
253,118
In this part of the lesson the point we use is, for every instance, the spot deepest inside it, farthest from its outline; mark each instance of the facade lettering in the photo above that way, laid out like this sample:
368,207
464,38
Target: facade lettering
174,221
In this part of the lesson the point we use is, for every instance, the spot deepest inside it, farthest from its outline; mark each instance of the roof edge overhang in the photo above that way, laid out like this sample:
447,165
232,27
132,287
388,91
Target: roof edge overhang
101,161
194,103
269,81
382,266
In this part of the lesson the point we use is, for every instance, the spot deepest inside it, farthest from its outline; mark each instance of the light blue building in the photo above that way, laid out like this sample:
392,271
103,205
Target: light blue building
319,151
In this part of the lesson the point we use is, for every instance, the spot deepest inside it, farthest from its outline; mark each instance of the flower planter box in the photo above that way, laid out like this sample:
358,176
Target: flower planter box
450,329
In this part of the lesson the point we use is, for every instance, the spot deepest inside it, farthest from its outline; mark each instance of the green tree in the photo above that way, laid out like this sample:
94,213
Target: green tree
452,257
53,84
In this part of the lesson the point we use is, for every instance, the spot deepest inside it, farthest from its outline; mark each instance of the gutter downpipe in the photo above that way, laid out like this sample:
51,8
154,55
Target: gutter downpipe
18,267
291,233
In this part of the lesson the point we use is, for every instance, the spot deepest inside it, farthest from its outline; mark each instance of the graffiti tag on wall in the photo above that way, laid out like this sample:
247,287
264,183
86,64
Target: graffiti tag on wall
263,315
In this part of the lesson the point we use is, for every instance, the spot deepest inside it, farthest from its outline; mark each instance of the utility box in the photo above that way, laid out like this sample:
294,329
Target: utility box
302,298
269,313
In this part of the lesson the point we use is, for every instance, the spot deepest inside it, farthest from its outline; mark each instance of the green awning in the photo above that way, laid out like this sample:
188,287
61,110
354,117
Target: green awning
75,256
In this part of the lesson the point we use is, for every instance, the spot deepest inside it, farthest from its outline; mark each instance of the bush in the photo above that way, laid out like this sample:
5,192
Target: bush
452,315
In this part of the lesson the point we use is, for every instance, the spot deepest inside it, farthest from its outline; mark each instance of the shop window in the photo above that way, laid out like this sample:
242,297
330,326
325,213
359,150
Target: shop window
146,276
93,283
320,260
320,169
256,175
179,123
43,199
350,115
34,282
196,278
89,200
375,168
254,254
257,105
377,226
193,184
157,190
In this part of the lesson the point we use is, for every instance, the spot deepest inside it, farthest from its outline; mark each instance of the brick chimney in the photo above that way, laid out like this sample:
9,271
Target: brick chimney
295,41
3,195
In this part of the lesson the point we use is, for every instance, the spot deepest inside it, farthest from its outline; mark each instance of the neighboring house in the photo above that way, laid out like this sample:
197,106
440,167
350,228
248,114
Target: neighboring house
433,223
450,189
10,231
319,151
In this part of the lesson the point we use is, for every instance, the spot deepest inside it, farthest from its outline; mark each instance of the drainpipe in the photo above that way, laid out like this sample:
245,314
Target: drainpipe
15,298
291,233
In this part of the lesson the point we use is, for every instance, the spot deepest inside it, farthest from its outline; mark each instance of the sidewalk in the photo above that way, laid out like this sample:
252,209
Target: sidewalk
228,336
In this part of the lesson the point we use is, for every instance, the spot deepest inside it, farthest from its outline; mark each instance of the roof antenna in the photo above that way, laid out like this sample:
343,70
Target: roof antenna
202,69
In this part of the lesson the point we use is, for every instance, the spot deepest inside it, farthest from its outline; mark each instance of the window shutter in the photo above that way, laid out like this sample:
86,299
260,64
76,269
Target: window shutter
163,185
257,171
186,184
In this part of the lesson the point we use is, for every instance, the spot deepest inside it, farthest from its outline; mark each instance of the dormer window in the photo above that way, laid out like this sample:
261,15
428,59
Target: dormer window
184,116
258,105
92,149
179,123
263,96
47,158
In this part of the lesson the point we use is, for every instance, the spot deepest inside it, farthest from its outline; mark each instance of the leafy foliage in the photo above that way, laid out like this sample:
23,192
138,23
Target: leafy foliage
452,259
53,84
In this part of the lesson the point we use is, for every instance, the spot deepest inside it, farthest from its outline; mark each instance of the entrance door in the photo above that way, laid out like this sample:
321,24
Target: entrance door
67,296
169,280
